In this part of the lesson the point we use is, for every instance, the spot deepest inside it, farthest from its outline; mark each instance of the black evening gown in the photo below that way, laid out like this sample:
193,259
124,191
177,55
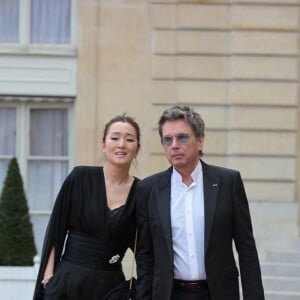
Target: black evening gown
89,239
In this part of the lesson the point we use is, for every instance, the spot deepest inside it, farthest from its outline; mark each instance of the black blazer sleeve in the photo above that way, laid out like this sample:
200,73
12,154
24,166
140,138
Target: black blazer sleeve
245,244
55,233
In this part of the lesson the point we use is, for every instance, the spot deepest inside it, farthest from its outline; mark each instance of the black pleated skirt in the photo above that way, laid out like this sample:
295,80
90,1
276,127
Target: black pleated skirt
76,282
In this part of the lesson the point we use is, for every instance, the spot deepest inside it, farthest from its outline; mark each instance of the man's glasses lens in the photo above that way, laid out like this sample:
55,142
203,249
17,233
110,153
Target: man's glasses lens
181,138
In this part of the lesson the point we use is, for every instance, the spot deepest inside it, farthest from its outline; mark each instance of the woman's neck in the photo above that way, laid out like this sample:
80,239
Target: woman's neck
116,175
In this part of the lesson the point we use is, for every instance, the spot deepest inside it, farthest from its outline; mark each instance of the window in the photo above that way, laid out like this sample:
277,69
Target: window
48,155
9,21
39,136
50,21
7,139
37,23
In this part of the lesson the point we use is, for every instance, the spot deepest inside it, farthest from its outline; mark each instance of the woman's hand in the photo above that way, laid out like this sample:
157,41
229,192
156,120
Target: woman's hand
46,280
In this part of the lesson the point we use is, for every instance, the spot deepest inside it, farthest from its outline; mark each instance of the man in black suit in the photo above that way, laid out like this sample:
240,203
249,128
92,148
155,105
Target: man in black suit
188,217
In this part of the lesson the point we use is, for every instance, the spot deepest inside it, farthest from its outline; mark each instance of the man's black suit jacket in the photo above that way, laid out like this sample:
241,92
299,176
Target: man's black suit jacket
227,219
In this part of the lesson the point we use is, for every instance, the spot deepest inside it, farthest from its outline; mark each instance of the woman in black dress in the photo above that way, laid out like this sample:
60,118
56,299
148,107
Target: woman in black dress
93,222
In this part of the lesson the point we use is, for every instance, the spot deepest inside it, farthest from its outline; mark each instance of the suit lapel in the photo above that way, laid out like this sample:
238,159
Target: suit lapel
163,198
211,189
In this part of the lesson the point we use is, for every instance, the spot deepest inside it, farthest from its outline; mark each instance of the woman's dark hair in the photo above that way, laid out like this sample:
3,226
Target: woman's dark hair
125,119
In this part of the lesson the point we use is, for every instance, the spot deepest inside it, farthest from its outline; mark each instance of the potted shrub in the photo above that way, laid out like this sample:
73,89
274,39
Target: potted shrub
17,247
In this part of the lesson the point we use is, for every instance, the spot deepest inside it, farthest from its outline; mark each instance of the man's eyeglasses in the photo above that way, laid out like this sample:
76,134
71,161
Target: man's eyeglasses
181,138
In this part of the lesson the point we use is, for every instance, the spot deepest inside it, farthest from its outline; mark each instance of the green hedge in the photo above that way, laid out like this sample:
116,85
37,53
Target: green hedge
17,246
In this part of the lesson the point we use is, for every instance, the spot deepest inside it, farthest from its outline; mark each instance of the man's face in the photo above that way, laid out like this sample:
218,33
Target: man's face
180,145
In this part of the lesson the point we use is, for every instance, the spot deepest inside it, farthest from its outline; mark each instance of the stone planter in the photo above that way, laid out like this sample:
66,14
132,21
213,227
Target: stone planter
18,282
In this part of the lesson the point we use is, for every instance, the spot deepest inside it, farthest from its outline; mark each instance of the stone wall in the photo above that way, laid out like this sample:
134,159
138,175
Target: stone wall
235,62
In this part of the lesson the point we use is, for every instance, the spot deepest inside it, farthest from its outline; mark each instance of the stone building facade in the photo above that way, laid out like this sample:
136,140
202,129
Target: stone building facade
233,61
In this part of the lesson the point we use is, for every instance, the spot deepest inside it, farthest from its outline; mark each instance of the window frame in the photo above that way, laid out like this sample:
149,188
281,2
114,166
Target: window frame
25,47
23,141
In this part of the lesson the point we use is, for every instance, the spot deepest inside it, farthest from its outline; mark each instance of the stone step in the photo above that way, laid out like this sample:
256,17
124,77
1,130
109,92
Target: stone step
279,295
280,269
278,283
281,274
283,256
297,244
276,295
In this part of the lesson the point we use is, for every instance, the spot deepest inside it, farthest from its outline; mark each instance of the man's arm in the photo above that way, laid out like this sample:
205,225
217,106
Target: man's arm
245,244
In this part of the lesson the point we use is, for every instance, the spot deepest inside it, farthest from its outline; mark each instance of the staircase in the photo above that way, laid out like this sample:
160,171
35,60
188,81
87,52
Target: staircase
281,274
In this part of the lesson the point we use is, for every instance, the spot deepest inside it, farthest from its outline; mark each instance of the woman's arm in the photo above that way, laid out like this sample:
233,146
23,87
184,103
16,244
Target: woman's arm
49,268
